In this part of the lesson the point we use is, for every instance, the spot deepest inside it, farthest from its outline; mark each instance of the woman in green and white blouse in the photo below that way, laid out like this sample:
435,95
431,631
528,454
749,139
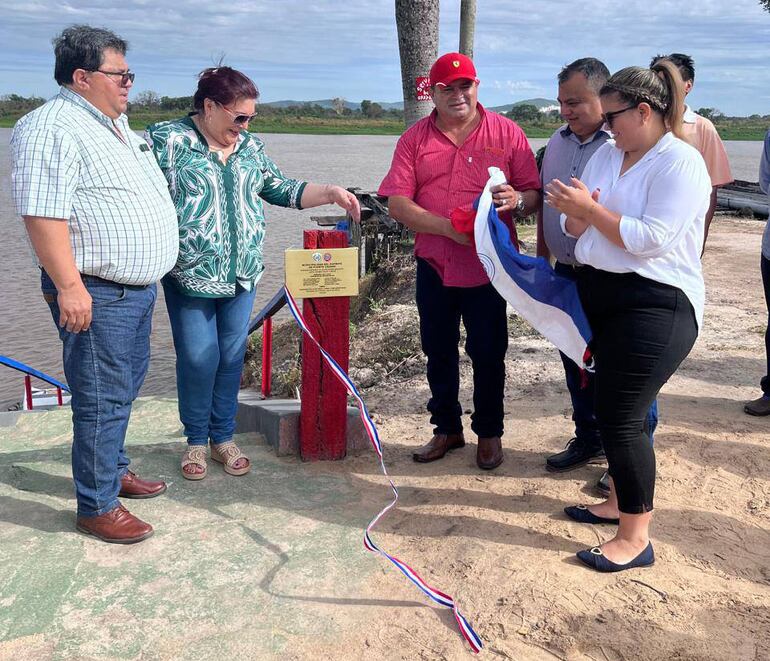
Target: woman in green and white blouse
218,175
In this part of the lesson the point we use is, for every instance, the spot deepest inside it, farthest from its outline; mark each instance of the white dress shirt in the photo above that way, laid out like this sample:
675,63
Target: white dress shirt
663,200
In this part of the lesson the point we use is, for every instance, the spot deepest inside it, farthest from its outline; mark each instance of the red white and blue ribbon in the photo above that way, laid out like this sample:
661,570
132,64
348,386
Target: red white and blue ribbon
371,430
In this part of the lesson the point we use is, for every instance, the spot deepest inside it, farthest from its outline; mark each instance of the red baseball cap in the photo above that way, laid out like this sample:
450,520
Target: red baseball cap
451,67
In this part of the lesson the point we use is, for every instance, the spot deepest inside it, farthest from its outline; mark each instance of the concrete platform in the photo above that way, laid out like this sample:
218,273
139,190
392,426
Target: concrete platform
278,421
270,565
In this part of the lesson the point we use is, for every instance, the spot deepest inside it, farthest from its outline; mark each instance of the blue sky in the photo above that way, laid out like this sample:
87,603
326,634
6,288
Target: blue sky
324,48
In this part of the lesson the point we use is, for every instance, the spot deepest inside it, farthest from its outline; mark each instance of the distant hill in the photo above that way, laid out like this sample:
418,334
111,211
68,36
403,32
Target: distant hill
538,103
399,105
327,103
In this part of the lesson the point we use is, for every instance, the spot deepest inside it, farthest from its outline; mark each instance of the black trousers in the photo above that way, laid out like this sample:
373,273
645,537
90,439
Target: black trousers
642,331
765,266
482,311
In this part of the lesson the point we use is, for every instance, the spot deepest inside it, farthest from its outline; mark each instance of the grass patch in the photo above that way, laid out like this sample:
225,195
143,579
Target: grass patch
729,129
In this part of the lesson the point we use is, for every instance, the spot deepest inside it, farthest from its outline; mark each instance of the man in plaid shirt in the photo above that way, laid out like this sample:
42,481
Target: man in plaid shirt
99,216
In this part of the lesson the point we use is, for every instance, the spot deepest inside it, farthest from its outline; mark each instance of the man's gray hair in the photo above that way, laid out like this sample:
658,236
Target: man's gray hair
594,70
82,47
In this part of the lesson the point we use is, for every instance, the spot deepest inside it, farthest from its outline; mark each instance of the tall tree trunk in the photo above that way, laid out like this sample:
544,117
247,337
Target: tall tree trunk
417,23
467,26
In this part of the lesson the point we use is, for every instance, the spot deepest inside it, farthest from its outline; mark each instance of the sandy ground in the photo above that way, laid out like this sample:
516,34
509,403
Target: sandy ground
272,566
499,542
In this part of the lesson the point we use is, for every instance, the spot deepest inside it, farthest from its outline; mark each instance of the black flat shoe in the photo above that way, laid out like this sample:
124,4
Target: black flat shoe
582,514
595,559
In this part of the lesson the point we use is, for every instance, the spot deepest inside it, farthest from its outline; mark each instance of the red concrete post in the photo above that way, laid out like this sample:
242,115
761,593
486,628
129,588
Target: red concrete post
267,356
323,413
28,390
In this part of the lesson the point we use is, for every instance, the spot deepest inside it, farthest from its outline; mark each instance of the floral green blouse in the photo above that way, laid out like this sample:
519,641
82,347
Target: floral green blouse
221,217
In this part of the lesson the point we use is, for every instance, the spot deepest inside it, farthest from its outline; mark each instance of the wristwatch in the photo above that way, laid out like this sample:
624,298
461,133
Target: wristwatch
519,207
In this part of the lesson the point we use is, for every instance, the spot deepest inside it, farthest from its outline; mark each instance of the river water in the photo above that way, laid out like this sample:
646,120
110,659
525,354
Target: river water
26,329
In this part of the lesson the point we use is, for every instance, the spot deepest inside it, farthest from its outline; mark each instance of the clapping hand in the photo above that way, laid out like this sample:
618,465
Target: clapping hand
574,201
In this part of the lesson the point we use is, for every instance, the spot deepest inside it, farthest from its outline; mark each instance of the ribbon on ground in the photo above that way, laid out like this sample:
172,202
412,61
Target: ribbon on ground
371,431
549,302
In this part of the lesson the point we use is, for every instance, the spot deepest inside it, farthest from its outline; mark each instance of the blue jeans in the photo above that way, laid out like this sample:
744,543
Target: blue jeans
586,427
105,366
210,342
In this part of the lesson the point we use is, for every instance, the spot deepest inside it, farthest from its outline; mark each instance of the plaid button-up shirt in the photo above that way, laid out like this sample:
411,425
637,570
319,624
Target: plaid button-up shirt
69,163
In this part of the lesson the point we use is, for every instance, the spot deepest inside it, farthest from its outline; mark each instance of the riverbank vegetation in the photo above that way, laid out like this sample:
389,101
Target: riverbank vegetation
366,118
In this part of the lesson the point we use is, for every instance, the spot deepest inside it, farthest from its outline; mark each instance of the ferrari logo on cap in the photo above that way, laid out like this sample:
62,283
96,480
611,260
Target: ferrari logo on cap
456,64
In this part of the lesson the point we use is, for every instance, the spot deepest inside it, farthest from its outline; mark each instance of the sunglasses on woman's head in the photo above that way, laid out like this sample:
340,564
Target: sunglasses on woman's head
609,117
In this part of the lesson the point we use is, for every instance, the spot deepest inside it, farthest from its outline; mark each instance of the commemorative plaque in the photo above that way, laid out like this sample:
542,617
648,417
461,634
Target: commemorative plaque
322,272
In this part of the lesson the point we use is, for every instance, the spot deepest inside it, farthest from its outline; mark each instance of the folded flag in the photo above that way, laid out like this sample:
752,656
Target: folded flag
549,302
463,221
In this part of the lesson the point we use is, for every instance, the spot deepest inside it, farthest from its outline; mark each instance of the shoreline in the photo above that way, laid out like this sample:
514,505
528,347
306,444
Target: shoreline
316,126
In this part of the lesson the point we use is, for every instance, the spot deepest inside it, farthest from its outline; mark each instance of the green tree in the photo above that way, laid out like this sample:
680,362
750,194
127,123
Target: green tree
371,109
711,113
148,98
524,113
765,4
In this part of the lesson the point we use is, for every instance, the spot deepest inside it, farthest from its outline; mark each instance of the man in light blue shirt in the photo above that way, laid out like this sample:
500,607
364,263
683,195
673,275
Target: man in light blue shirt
761,406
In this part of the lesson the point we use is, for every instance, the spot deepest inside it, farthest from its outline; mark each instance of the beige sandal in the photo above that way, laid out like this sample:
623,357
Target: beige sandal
195,455
228,453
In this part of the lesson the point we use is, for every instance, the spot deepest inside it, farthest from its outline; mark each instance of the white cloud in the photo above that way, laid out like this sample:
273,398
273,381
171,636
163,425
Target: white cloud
322,48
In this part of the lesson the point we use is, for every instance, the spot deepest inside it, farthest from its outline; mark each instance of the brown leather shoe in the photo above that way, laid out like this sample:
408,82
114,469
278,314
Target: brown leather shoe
117,526
489,453
132,486
438,446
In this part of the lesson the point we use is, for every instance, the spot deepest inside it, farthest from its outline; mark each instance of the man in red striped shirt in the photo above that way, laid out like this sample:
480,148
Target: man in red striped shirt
441,164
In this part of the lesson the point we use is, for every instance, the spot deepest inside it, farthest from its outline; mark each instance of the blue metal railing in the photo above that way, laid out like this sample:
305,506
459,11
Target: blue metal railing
264,318
30,372
26,369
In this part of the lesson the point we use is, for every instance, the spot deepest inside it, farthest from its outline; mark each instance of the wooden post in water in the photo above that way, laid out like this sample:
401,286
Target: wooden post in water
323,412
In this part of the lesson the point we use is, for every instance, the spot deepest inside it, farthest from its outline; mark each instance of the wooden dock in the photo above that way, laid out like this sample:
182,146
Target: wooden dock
743,196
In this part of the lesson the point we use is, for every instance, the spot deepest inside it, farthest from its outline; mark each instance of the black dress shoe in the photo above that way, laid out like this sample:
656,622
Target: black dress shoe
759,406
577,453
603,485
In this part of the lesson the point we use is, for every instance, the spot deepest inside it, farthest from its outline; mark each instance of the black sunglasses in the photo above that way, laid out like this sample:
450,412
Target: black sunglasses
609,117
125,77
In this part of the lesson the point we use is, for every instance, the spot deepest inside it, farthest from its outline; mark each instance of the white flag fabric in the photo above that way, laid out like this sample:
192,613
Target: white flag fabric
549,302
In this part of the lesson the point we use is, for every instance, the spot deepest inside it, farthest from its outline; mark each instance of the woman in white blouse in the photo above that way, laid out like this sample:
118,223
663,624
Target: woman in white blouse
639,215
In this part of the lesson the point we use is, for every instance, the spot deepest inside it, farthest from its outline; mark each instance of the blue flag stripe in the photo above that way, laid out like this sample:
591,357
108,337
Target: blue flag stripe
536,277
